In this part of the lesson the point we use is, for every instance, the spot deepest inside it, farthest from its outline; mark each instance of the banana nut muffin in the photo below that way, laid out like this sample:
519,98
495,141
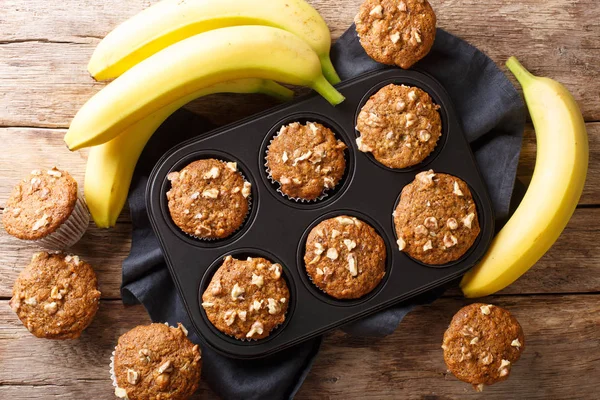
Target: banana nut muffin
247,299
399,32
345,257
156,361
400,125
436,218
45,207
306,160
209,198
56,296
482,343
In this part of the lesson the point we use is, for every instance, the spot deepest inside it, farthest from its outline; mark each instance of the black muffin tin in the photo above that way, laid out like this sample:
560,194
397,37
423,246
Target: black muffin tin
276,227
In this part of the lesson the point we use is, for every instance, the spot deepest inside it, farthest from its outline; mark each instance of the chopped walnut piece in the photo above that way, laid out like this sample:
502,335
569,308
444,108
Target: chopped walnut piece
479,387
335,233
474,340
468,220
132,376
216,289
452,223
421,230
165,367
51,308
242,315
352,264
401,243
345,220
257,280
486,310
362,146
395,37
402,6
247,189
428,246
332,253
450,240
424,136
350,244
32,301
232,166
229,317
515,343
256,328
426,176
430,223
377,11
41,222
276,269
237,292
120,393
211,193
273,306
212,174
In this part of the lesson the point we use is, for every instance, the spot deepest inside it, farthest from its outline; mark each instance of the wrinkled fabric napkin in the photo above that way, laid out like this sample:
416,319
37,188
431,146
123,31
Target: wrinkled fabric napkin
493,118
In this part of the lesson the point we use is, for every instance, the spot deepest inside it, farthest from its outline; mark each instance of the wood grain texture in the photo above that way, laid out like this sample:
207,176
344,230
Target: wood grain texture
45,147
406,365
44,49
571,266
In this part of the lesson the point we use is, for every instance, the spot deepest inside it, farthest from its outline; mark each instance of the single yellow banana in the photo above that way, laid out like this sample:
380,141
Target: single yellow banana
558,179
170,21
110,166
197,62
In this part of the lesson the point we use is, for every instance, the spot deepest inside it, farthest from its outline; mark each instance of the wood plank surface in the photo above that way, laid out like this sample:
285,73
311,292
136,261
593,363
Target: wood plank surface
406,365
44,48
30,148
571,266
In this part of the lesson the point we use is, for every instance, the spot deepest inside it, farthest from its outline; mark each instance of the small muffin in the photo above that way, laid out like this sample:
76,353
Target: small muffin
56,296
156,361
481,344
306,160
45,207
209,198
436,218
345,257
400,125
247,299
396,32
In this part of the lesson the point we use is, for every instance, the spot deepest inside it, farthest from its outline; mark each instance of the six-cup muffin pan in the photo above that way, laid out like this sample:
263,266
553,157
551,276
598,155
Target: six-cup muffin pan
276,227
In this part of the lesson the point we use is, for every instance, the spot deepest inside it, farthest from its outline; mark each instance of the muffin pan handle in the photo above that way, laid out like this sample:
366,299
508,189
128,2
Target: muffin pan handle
278,227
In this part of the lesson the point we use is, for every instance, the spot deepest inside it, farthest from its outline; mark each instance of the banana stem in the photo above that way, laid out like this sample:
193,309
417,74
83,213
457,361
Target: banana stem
329,70
519,71
275,90
325,89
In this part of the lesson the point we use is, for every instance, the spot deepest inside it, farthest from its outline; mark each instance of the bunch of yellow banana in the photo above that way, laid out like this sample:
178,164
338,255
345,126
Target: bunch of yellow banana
557,183
176,51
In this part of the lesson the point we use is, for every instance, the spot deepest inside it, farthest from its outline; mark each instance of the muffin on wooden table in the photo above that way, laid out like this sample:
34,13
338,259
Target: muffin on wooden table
156,361
482,343
345,257
436,218
46,208
396,32
306,160
247,299
56,296
400,125
209,198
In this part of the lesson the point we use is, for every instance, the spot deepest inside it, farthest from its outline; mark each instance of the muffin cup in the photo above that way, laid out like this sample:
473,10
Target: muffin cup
70,231
325,193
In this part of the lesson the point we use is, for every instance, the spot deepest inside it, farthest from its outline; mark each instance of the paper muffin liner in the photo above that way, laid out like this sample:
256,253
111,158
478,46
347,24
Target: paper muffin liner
70,231
326,191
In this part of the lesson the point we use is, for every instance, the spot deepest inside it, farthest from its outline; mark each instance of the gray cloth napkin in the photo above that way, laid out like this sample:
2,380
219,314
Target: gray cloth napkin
493,118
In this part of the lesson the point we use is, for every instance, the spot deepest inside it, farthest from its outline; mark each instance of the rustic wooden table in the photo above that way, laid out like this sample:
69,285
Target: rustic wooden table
44,49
